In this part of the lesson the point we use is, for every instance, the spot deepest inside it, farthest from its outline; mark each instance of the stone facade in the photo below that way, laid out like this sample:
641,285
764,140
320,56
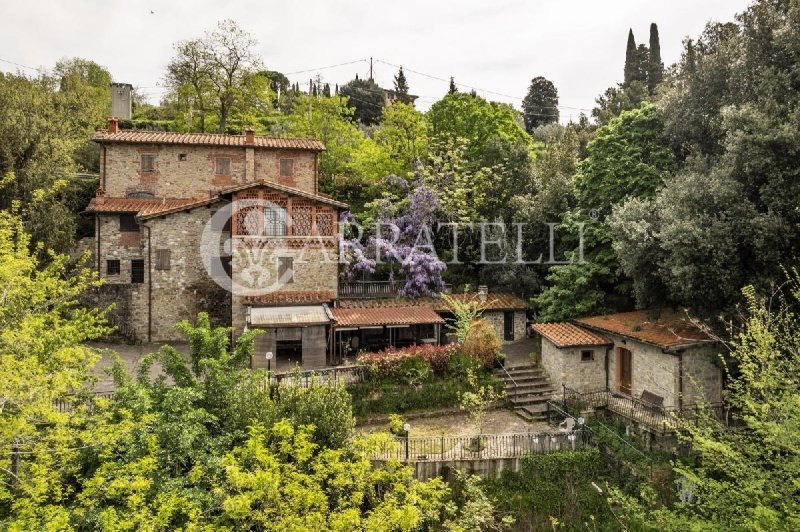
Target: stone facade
567,366
180,290
653,369
497,319
659,371
185,171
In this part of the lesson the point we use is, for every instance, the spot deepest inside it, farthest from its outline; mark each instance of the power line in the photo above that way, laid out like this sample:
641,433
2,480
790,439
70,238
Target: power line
324,67
19,65
472,87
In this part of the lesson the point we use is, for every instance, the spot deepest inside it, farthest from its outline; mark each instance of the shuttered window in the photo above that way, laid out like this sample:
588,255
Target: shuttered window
127,223
148,162
223,166
285,270
287,168
112,267
137,271
162,259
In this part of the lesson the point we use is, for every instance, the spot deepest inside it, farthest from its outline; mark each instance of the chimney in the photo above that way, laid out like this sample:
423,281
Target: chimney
483,293
122,100
113,124
249,136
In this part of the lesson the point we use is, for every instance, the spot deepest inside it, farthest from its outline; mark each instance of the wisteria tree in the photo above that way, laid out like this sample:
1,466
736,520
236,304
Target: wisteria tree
402,238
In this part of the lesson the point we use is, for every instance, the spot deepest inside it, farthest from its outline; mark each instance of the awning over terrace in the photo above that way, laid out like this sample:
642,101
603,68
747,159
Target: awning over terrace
385,316
289,316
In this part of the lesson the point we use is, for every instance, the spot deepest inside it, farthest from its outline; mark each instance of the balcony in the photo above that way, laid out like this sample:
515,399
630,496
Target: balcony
372,289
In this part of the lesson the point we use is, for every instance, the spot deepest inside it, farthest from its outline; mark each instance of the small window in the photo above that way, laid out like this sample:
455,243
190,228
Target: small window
148,162
274,221
112,267
162,259
127,223
181,157
285,270
587,355
137,271
141,194
223,166
287,168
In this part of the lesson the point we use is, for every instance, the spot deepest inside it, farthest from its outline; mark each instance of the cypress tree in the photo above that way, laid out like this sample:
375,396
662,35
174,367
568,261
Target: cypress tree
655,68
690,57
326,90
643,62
453,89
401,86
631,59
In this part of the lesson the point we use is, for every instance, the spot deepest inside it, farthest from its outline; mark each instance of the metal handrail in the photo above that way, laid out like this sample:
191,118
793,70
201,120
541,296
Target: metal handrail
503,367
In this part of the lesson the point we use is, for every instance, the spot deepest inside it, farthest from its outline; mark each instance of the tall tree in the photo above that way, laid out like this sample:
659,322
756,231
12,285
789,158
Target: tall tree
452,89
219,70
401,87
366,99
540,105
629,158
631,59
655,68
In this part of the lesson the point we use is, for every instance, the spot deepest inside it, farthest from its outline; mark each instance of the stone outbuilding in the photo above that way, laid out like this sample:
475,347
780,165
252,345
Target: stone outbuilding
655,353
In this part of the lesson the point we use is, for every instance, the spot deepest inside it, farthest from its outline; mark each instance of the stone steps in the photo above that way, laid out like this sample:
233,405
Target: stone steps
528,388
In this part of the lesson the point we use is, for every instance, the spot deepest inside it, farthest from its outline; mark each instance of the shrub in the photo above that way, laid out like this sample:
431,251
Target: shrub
461,364
482,343
387,363
415,370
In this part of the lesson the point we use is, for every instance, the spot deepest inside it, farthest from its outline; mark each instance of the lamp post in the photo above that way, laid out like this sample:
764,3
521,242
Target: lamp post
269,361
407,430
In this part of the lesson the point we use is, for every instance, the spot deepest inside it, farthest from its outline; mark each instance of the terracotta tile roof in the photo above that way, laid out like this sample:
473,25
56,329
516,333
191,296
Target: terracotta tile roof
493,302
132,136
322,198
570,335
355,317
669,329
296,296
144,206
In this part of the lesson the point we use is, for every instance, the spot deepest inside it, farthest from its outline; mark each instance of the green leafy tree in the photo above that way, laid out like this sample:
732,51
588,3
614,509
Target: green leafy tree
726,220
366,99
42,358
476,120
403,134
217,73
744,477
540,105
629,158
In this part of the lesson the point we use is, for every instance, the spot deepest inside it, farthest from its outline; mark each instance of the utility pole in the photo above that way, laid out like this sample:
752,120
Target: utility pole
370,69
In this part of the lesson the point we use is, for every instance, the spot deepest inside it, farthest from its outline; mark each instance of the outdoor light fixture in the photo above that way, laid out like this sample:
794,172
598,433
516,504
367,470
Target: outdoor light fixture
581,421
269,360
407,428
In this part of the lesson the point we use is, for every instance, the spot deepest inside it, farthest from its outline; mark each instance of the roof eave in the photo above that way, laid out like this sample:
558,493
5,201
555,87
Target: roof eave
671,348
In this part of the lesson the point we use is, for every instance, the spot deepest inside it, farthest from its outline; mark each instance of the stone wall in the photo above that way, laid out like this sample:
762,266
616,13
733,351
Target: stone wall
189,171
316,269
659,372
178,293
702,375
564,366
497,319
652,369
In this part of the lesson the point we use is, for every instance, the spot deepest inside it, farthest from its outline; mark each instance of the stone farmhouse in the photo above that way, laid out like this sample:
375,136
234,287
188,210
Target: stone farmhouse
235,226
660,357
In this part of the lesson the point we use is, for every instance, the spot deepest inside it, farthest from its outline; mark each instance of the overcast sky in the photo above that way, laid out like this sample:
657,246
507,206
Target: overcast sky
493,46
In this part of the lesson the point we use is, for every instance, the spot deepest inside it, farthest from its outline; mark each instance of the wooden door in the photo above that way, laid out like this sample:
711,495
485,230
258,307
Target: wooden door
625,370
